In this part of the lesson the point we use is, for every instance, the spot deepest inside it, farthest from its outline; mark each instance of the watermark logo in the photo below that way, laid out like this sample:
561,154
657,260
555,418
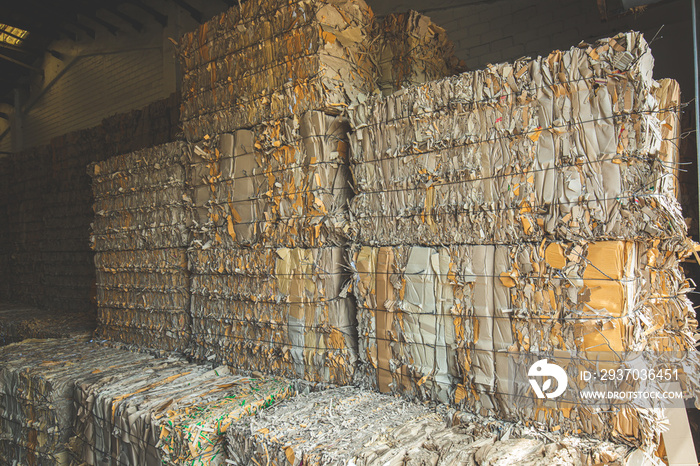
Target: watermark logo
549,371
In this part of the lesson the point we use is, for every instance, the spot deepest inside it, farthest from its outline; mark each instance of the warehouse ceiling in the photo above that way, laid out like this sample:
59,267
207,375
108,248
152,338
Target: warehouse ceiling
28,27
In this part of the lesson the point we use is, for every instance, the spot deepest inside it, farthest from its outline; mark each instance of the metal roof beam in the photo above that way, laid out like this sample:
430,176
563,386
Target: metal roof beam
194,13
64,16
136,25
157,15
105,24
20,63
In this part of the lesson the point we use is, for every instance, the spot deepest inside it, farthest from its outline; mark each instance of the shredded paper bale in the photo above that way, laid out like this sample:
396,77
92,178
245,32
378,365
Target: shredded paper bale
36,390
271,59
352,426
141,232
413,50
566,145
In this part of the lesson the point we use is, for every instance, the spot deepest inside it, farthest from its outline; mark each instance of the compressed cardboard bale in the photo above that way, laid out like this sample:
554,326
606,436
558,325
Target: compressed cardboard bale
413,50
36,379
463,324
141,230
566,145
284,183
164,411
281,311
610,296
137,203
273,59
423,314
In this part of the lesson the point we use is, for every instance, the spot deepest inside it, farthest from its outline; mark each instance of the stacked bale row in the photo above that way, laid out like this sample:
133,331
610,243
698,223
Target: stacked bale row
25,230
47,200
267,272
141,233
5,259
268,60
522,211
68,270
66,402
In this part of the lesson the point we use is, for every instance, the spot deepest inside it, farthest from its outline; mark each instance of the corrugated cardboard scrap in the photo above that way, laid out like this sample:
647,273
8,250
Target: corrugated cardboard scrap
523,211
351,426
141,230
272,59
412,50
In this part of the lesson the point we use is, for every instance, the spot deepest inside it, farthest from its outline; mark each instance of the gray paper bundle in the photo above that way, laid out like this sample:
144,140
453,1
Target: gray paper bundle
570,145
272,59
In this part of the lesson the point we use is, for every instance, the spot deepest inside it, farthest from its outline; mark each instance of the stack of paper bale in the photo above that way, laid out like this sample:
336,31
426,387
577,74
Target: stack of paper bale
267,266
36,391
25,230
68,268
351,426
164,412
263,85
411,49
514,213
68,402
272,59
141,233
